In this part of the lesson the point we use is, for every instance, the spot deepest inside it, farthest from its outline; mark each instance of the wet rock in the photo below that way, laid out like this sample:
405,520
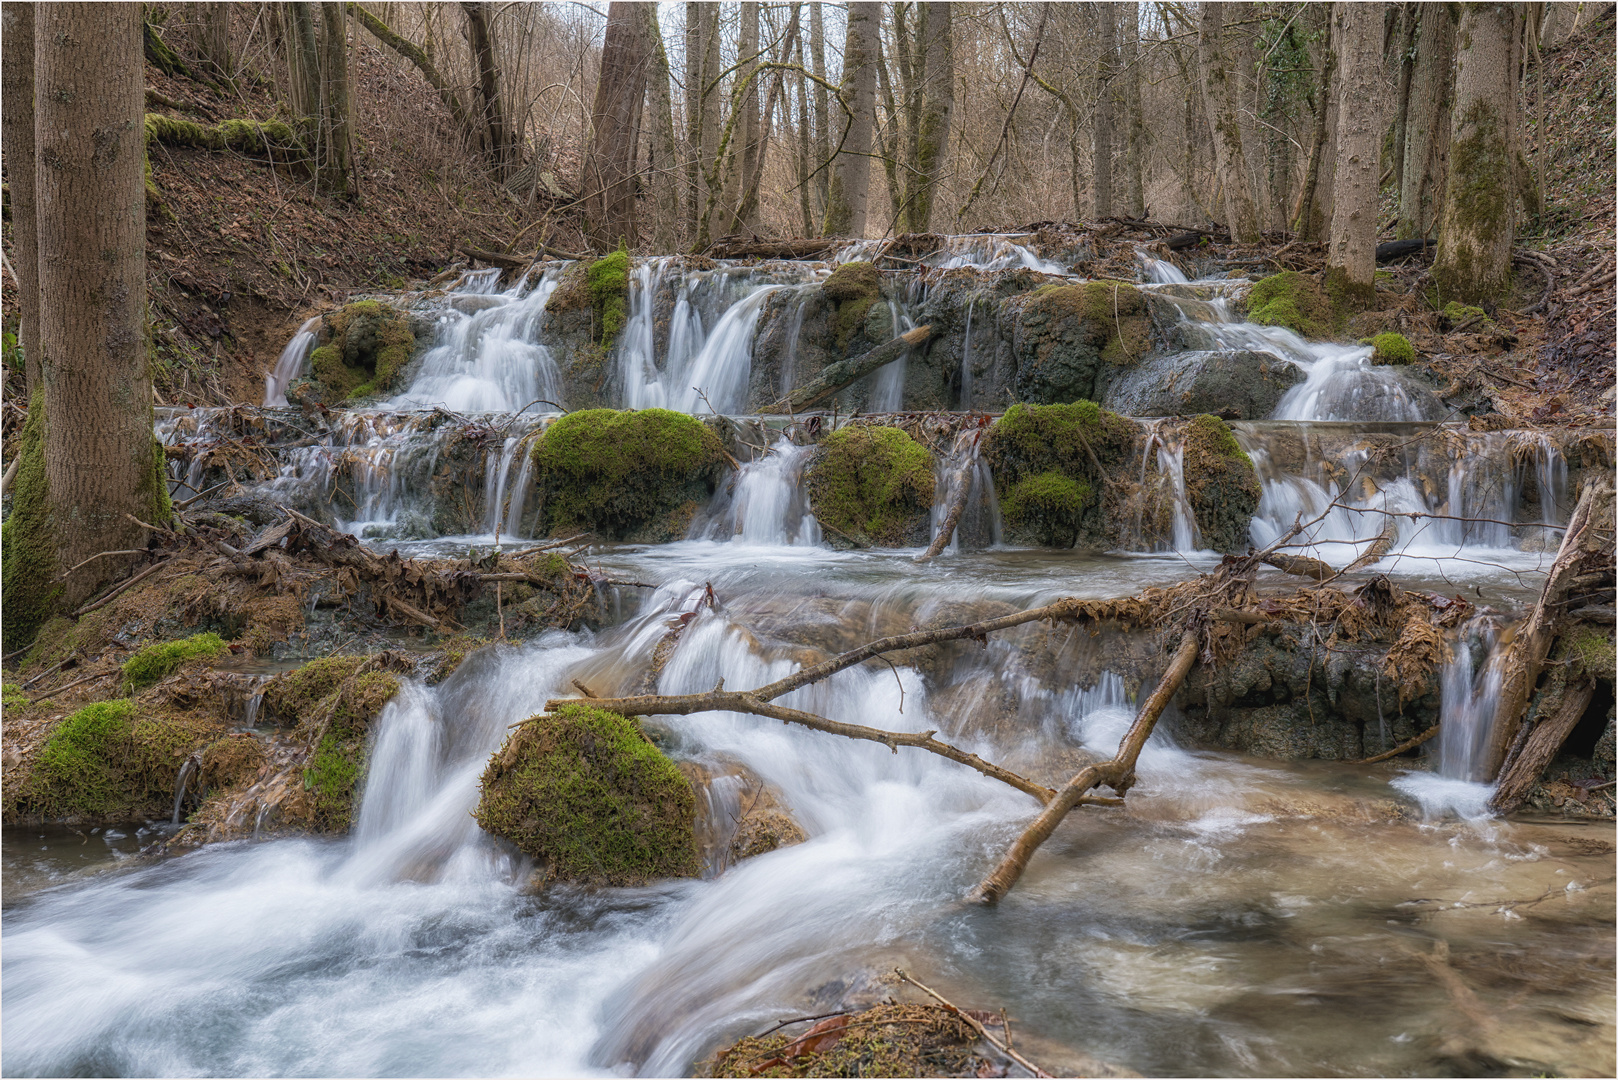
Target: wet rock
870,486
1220,484
1052,467
364,350
1235,385
1068,338
739,814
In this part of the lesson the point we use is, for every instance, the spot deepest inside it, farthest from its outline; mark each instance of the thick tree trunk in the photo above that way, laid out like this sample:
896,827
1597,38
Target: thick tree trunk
1517,780
609,175
937,86
753,186
708,135
1408,19
500,145
665,164
1219,97
17,139
1135,136
336,148
696,105
1432,93
744,154
806,201
1479,222
822,144
1101,119
851,177
100,464
1351,259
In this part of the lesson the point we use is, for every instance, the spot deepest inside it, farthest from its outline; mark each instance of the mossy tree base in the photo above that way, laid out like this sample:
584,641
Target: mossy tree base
1294,301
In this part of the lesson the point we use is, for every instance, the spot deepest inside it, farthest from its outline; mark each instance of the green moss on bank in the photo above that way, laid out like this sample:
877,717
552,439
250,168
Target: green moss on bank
1220,484
625,474
1392,349
1047,462
1292,300
874,485
28,562
854,287
368,345
160,660
586,792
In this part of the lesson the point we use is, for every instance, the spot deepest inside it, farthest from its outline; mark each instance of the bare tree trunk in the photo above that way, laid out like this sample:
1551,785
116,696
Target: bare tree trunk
336,148
744,159
665,153
888,151
1408,18
420,57
1432,93
806,201
1101,119
1219,96
709,134
822,155
303,69
1351,260
749,209
17,137
609,174
501,144
210,38
696,104
937,86
1135,139
1312,219
851,179
1478,227
100,462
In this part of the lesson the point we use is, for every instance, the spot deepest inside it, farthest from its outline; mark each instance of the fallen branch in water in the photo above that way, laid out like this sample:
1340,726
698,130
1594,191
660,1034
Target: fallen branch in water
1408,744
845,372
957,506
1519,775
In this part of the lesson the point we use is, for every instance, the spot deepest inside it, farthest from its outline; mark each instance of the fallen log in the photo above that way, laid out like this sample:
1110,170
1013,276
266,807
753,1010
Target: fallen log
1518,776
494,258
837,376
1117,774
1302,565
957,506
1525,655
1382,545
1408,744
754,248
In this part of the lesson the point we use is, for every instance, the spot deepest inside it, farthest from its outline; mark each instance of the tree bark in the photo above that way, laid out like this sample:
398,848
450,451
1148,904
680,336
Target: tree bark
936,81
848,198
1351,258
747,214
210,38
1219,96
1406,61
1101,119
1519,778
744,157
17,137
1426,144
806,188
1135,137
101,464
665,166
1479,222
696,106
846,372
500,145
335,147
610,168
822,141
303,69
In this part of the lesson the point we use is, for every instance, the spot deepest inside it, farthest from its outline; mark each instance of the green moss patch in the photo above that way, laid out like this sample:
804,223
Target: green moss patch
1068,337
1474,319
159,661
368,346
1392,349
28,561
243,136
625,474
608,283
1048,463
874,485
1220,484
1295,301
1593,648
854,287
586,792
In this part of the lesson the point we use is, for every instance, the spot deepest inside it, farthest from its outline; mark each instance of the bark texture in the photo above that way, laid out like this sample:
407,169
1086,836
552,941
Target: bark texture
1479,223
664,157
848,199
1426,143
1101,119
500,143
1351,261
1217,75
610,169
934,109
336,147
744,158
17,139
100,463
1135,133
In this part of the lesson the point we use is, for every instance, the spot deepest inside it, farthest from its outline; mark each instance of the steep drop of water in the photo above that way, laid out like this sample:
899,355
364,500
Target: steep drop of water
290,365
1462,785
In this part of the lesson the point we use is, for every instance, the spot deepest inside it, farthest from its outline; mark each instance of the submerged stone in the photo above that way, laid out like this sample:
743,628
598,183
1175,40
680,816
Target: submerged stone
584,791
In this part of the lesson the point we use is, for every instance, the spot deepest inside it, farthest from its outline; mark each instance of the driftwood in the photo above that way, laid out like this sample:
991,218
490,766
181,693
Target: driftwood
957,506
1302,565
1525,655
494,258
1519,775
1117,774
1408,744
841,374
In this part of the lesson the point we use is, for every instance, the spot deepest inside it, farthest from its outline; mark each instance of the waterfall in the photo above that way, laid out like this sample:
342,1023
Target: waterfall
290,365
715,379
1160,272
966,358
1461,785
767,506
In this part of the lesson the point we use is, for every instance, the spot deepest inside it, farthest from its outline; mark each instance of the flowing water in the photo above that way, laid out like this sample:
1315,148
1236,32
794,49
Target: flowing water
1240,917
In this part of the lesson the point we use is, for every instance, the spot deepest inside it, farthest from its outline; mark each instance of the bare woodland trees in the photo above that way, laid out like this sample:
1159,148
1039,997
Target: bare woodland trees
1219,88
609,174
17,134
847,199
1427,124
90,474
1351,261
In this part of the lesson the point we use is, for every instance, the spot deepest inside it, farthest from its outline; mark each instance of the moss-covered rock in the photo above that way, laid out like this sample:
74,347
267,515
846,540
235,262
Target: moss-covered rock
162,659
112,761
625,475
1457,314
367,346
586,792
1047,462
872,485
609,294
1295,301
1220,484
1392,349
854,287
1069,338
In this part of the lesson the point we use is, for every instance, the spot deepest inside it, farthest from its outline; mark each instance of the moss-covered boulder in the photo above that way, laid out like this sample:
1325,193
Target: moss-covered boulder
1220,484
1049,464
332,702
367,345
162,659
1294,301
628,475
587,793
872,486
854,288
1069,339
110,762
1392,348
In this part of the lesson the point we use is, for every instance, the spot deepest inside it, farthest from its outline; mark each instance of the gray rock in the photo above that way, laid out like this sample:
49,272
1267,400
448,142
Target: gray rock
1237,385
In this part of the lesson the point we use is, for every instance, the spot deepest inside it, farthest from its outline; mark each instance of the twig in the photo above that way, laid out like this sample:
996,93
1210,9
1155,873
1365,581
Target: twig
113,595
1408,744
76,682
983,1032
103,555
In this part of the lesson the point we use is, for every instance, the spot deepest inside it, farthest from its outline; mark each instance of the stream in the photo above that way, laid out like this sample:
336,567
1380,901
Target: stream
1241,917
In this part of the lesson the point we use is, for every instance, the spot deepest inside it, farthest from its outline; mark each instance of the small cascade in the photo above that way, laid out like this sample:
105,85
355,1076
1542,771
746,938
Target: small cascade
888,383
715,379
977,524
1462,786
1161,272
290,365
766,506
966,357
187,770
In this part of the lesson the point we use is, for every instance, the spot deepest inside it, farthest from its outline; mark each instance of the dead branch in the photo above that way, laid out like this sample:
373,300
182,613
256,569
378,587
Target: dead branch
844,372
963,488
1518,776
1003,1047
1408,744
1383,545
121,588
1117,774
